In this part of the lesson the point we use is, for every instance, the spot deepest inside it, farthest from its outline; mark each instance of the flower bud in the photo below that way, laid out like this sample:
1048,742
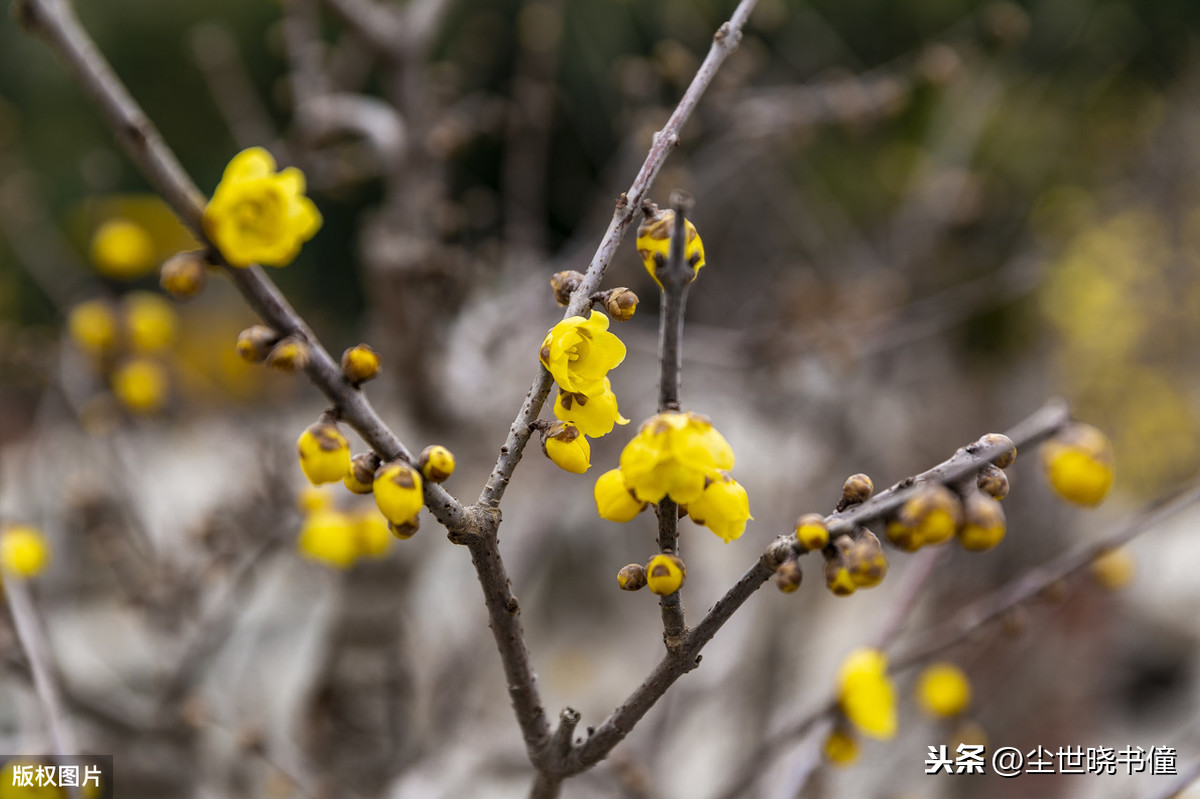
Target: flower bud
1114,569
857,489
567,447
141,385
1009,453
372,534
436,463
983,523
564,284
184,274
654,241
1079,464
311,499
324,453
289,355
92,325
811,531
255,343
632,577
614,500
837,575
840,748
930,516
360,477
406,530
943,690
122,249
665,574
992,481
398,493
620,303
360,364
865,560
328,536
150,322
23,550
788,576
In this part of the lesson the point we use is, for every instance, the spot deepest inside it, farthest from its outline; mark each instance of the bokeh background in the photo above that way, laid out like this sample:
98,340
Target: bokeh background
921,220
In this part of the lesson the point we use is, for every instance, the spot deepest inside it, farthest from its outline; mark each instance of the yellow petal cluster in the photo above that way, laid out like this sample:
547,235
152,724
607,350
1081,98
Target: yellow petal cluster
340,539
654,243
723,507
665,574
614,500
579,353
594,415
324,453
865,693
673,454
943,690
567,447
122,249
23,550
258,215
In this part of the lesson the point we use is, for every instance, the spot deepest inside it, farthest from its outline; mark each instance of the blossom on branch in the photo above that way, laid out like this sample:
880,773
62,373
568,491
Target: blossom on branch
673,454
723,507
258,215
579,352
594,415
865,693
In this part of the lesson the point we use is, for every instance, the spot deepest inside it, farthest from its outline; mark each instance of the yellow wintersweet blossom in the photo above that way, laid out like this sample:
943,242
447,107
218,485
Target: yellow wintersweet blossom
614,501
567,447
258,215
579,353
865,693
92,325
1079,464
23,550
943,690
672,455
324,453
654,243
723,507
150,321
329,536
141,385
372,536
595,416
398,492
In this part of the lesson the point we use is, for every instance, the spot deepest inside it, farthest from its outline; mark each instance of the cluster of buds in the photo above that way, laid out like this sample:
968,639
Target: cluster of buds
619,303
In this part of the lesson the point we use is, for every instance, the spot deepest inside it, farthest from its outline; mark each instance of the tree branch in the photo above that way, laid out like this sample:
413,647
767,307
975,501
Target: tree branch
33,642
725,41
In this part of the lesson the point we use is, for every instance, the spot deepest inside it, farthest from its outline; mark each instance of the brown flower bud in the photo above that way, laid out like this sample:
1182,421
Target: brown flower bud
857,489
992,481
184,274
1009,449
436,463
361,477
788,576
621,303
632,577
255,343
564,284
289,355
406,530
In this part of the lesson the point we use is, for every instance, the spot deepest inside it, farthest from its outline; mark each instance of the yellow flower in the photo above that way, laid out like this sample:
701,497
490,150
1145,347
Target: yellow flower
595,416
258,215
579,352
613,498
665,574
841,748
865,693
324,453
672,455
567,447
329,536
437,463
23,550
723,507
654,243
122,249
1079,464
943,690
150,321
141,385
812,532
398,492
92,325
371,534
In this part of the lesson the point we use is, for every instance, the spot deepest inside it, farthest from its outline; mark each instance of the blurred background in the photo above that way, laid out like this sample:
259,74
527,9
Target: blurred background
921,220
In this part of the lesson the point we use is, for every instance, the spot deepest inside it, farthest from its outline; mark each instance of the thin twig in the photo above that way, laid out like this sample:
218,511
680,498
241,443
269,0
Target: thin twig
55,21
37,652
628,205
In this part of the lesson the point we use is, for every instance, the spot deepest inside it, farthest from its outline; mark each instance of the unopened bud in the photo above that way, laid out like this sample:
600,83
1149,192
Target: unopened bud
865,560
436,463
620,303
983,523
255,343
289,355
992,481
564,284
632,577
360,478
405,530
184,274
857,489
360,364
1008,450
788,576
665,574
811,531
